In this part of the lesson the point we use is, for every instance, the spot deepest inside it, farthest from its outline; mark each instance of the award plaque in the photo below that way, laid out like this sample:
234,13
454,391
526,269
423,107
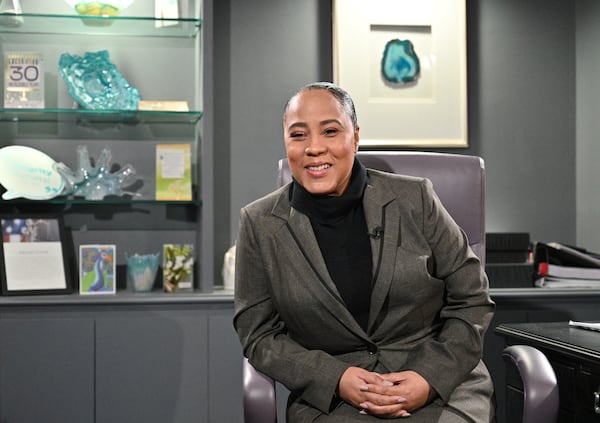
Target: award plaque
23,80
32,257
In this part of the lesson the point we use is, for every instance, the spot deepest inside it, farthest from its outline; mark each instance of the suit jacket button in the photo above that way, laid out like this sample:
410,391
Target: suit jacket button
372,349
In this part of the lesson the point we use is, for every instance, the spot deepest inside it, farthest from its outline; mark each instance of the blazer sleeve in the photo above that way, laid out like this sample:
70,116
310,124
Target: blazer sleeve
313,374
446,359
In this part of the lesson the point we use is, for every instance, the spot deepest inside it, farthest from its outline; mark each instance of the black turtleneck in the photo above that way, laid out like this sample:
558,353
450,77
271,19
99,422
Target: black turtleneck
341,230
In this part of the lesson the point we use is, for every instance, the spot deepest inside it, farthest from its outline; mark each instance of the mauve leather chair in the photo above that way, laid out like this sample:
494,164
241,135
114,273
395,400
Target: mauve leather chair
459,181
533,397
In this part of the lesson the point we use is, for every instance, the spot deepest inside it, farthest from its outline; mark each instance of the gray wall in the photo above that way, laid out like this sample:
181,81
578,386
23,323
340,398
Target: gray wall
524,114
522,98
264,51
588,123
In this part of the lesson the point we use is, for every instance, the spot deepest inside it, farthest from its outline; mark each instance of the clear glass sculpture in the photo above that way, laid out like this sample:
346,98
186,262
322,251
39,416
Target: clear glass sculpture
95,83
94,182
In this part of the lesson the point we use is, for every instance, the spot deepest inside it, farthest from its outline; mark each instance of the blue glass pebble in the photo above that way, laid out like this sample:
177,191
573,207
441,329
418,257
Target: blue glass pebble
400,63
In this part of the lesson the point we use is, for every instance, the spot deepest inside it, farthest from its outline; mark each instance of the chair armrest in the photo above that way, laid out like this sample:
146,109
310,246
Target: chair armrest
259,396
540,387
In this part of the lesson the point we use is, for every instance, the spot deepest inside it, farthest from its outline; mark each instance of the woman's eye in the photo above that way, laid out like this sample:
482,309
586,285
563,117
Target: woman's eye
330,131
297,135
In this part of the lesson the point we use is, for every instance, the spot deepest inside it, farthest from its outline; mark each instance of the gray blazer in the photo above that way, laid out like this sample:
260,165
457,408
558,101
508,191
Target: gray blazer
430,304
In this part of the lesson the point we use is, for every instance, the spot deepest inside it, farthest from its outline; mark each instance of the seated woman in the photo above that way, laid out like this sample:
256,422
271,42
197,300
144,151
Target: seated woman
355,288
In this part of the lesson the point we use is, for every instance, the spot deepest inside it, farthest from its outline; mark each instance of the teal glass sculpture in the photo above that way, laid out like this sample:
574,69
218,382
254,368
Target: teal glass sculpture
94,182
400,64
95,83
141,271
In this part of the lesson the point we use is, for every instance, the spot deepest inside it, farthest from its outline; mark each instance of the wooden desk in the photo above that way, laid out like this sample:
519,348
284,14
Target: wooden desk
574,355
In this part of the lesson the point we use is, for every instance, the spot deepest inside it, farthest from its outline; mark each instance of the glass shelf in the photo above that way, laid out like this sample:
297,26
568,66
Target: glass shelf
98,116
107,201
99,25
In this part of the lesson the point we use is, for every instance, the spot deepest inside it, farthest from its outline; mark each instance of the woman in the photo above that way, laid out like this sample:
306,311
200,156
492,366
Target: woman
355,288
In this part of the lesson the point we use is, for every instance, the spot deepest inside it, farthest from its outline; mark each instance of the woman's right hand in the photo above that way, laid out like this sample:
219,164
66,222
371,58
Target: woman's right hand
353,388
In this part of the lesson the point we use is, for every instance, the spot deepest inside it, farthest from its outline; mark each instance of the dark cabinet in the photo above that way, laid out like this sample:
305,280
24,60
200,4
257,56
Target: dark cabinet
47,370
129,358
151,367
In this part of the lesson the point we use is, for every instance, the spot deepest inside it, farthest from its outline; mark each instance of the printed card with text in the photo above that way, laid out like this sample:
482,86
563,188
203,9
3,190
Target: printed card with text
173,172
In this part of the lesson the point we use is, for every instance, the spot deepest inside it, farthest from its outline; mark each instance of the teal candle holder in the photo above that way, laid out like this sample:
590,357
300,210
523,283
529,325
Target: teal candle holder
141,271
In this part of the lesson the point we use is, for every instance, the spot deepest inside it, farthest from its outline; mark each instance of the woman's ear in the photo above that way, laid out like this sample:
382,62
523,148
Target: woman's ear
356,138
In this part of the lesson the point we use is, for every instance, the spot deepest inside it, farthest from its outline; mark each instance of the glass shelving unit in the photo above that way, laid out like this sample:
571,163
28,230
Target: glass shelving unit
98,116
56,128
59,25
130,26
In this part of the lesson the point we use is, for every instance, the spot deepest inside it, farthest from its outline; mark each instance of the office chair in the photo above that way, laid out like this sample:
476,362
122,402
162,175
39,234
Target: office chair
531,386
459,181
259,396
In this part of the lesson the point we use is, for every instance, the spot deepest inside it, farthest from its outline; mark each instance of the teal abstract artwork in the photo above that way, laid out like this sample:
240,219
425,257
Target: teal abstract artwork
400,63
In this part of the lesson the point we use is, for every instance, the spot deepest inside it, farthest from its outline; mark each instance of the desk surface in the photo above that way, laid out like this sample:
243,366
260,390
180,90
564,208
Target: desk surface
555,335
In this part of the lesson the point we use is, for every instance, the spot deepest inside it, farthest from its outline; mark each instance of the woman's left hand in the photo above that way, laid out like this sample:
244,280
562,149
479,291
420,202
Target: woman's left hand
408,384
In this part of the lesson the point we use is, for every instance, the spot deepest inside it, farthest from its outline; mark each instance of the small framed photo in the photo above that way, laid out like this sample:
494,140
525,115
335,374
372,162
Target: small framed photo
97,269
33,259
178,267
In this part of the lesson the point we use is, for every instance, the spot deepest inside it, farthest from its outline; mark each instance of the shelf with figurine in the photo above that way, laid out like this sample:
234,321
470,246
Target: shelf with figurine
89,25
92,75
102,124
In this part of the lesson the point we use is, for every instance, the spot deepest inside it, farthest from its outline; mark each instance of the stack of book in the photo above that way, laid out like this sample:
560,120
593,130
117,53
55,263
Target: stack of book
508,260
562,266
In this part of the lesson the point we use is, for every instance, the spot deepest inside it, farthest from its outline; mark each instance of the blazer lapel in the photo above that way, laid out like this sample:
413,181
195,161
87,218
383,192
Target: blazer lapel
303,238
302,232
382,215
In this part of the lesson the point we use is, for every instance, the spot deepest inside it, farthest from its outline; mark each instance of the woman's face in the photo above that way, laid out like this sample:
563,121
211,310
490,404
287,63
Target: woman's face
320,142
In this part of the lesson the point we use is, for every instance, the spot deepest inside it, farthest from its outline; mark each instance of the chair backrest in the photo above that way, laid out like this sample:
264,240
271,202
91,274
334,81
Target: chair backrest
459,181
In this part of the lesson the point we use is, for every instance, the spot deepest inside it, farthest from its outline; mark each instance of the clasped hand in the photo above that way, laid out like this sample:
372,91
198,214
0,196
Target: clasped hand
385,395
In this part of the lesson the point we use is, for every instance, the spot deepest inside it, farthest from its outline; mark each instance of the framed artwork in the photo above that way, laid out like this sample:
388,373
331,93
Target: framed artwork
404,62
33,256
97,269
178,267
